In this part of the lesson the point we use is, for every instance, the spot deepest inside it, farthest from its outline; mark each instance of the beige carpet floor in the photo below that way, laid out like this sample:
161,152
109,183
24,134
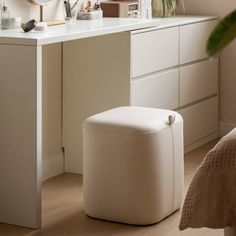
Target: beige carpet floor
63,215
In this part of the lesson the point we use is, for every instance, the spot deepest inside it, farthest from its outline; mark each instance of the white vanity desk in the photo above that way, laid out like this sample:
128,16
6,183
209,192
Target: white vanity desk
102,64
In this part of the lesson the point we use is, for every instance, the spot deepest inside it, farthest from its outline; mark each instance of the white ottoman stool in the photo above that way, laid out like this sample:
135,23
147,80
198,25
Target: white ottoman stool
133,165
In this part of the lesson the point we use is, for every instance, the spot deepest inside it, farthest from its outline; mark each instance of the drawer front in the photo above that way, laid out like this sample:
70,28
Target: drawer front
154,50
200,120
198,81
159,91
193,39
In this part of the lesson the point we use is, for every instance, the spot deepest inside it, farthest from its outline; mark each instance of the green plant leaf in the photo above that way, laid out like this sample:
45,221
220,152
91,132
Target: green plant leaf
223,34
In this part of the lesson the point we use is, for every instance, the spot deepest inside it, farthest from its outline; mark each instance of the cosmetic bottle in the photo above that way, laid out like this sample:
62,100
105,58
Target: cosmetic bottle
5,13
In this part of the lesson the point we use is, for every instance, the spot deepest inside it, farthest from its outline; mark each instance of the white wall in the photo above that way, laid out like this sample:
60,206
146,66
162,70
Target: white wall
29,11
228,58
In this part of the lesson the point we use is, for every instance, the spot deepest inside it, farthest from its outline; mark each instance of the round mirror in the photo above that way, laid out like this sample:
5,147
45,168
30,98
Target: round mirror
40,2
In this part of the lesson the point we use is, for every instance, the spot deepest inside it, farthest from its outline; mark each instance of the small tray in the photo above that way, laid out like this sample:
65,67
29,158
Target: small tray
93,15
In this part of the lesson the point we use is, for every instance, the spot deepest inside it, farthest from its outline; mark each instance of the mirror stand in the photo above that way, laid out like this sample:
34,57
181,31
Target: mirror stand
41,13
41,4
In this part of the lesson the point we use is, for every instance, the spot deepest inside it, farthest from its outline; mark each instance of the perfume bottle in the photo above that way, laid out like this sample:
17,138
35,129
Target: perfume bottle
5,15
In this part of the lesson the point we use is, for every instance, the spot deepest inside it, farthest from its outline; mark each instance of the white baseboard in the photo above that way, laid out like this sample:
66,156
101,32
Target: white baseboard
53,166
226,128
201,142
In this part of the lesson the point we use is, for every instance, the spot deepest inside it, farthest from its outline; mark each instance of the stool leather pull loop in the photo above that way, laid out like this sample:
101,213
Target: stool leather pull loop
171,119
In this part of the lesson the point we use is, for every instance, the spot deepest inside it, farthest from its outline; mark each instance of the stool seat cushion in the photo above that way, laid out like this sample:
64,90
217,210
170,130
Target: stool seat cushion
131,120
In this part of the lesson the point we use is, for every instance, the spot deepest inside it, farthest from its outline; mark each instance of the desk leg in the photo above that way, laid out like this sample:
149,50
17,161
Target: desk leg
20,135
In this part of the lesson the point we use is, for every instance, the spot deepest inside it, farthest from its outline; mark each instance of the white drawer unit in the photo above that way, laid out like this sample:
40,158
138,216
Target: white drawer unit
193,38
152,91
154,50
198,81
200,120
170,69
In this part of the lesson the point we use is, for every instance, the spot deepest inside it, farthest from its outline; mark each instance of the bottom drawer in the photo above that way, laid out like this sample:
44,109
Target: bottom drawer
200,120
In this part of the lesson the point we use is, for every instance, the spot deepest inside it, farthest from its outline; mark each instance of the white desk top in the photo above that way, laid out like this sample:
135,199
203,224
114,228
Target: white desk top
74,30
176,21
84,29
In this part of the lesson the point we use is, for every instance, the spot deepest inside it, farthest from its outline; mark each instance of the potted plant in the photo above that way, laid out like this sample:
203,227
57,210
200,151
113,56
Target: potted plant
223,34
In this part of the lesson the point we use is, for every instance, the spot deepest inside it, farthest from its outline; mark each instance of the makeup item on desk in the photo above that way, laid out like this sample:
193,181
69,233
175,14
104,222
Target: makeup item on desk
68,9
74,8
4,11
41,26
30,25
71,9
8,22
89,7
11,23
75,4
5,14
33,24
90,15
97,6
89,12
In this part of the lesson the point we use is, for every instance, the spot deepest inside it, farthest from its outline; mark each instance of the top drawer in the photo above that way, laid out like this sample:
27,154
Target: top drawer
154,50
193,40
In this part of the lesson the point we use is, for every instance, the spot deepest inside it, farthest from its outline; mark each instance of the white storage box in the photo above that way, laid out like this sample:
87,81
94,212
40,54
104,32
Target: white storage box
133,165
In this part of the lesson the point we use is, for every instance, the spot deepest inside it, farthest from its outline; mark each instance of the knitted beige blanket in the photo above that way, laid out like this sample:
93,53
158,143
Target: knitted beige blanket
211,198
